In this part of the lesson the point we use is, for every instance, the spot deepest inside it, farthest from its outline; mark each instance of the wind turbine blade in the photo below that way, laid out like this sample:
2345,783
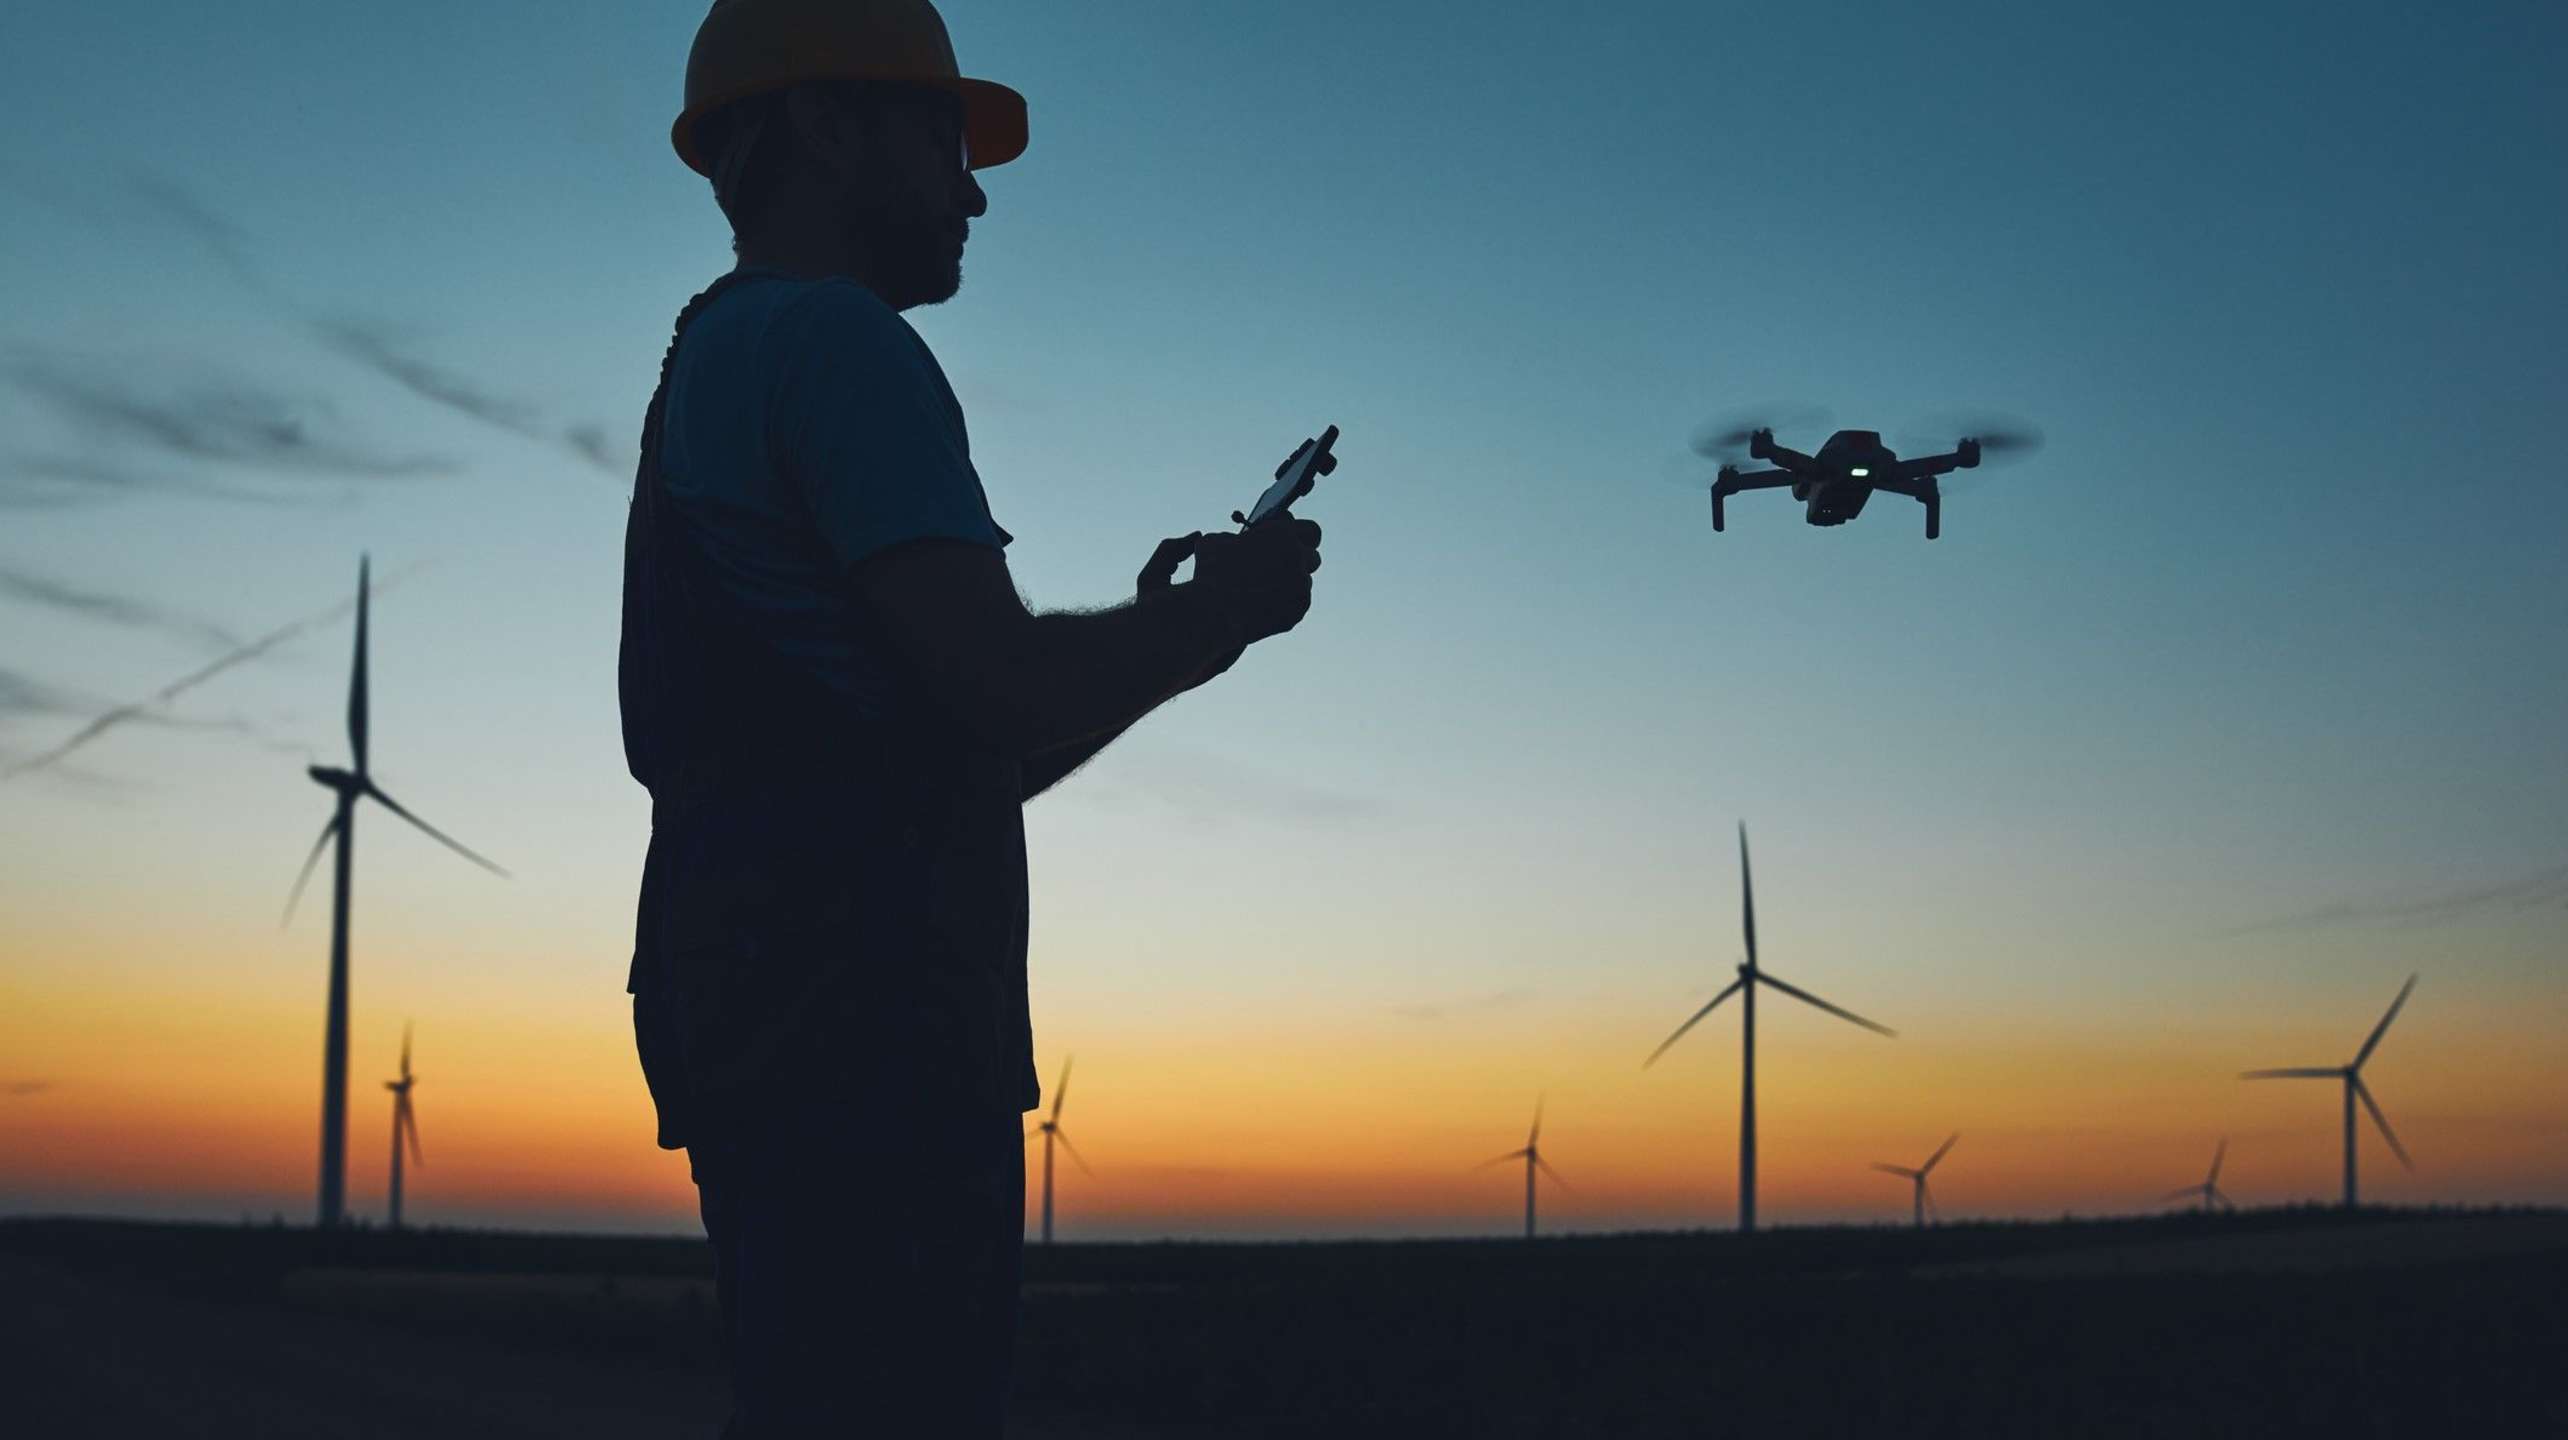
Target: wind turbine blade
1545,1166
1902,1171
440,836
410,1125
1500,1159
1061,1090
295,896
2374,1038
357,675
1064,1137
1692,1020
1747,897
2216,1157
1937,1157
2186,1193
2296,1072
2363,1092
405,1049
1843,1014
2222,1197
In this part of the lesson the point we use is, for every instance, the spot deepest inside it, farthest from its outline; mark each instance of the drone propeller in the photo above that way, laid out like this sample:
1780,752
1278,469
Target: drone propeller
1725,436
1998,435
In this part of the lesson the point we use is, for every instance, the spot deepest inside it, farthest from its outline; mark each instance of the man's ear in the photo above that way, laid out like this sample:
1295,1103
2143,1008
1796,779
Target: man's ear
828,133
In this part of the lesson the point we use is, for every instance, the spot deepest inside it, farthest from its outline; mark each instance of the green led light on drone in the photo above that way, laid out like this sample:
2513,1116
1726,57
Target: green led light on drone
1859,472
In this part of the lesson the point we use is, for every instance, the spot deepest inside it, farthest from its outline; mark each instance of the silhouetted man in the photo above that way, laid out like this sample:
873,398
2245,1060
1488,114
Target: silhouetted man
839,705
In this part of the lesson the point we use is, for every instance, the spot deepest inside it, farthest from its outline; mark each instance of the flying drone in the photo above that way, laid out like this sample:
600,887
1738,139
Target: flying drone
1834,483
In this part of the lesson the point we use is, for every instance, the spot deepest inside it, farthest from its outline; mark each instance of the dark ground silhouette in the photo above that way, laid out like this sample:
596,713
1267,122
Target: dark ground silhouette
2267,1323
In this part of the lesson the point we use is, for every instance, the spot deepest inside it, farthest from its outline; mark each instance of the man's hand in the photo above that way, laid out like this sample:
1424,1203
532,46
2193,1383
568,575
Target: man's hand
1261,576
1288,535
1161,571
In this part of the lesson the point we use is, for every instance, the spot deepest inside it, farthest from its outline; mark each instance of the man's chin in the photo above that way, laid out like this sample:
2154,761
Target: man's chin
932,285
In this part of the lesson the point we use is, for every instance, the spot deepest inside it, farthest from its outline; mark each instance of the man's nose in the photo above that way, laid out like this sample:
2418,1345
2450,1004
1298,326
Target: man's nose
975,203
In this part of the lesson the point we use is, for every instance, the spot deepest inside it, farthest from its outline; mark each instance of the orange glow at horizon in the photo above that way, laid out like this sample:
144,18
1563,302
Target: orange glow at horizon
199,1100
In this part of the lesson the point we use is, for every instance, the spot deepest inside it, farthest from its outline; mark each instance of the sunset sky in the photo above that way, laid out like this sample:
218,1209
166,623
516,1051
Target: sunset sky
2193,737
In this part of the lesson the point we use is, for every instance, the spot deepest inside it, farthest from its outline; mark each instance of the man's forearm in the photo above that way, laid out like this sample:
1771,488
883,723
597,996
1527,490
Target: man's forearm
1048,768
1088,676
1029,684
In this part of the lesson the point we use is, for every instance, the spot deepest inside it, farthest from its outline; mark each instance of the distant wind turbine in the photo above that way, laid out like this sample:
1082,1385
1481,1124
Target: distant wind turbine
1921,1198
405,1124
1052,1131
349,786
2209,1189
1532,1155
1745,987
2352,1076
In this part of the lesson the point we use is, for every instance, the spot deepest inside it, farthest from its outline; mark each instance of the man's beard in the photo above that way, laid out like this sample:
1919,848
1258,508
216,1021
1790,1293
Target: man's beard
916,264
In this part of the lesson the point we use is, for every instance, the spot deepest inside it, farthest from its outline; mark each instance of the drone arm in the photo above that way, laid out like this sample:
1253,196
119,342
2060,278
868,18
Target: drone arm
1792,461
1919,485
1925,467
1731,482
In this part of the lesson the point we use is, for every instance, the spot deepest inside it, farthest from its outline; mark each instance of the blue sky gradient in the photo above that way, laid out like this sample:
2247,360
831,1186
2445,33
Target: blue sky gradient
2272,624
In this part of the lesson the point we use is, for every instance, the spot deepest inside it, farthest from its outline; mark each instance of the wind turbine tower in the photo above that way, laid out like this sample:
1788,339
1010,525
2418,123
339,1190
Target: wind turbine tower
1745,987
348,786
1052,1131
1921,1198
405,1124
1532,1155
2351,1075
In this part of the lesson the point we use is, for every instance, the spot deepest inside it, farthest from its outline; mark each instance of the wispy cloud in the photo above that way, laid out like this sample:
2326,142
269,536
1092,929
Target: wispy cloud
1482,1003
375,347
178,205
2547,886
226,422
17,1089
150,708
595,446
25,695
93,784
99,605
49,482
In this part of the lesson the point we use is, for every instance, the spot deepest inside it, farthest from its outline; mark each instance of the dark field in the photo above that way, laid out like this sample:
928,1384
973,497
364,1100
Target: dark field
2270,1323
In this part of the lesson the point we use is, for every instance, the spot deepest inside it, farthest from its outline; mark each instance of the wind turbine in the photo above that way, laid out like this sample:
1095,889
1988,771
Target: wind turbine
1532,1155
1921,1199
349,786
1051,1128
2209,1189
405,1123
1745,987
2352,1075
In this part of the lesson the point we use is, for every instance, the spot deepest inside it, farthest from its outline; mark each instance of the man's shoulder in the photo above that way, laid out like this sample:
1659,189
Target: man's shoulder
837,314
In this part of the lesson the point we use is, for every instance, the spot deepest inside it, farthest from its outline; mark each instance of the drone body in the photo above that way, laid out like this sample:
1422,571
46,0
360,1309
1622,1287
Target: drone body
1834,483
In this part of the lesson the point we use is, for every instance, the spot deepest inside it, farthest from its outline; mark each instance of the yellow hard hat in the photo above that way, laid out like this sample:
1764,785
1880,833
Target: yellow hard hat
749,47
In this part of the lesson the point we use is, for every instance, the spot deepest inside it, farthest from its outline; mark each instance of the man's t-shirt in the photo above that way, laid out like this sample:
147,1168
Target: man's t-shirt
808,427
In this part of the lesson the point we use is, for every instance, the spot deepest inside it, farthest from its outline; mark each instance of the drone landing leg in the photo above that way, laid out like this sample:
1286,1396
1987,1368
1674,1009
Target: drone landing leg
1934,519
